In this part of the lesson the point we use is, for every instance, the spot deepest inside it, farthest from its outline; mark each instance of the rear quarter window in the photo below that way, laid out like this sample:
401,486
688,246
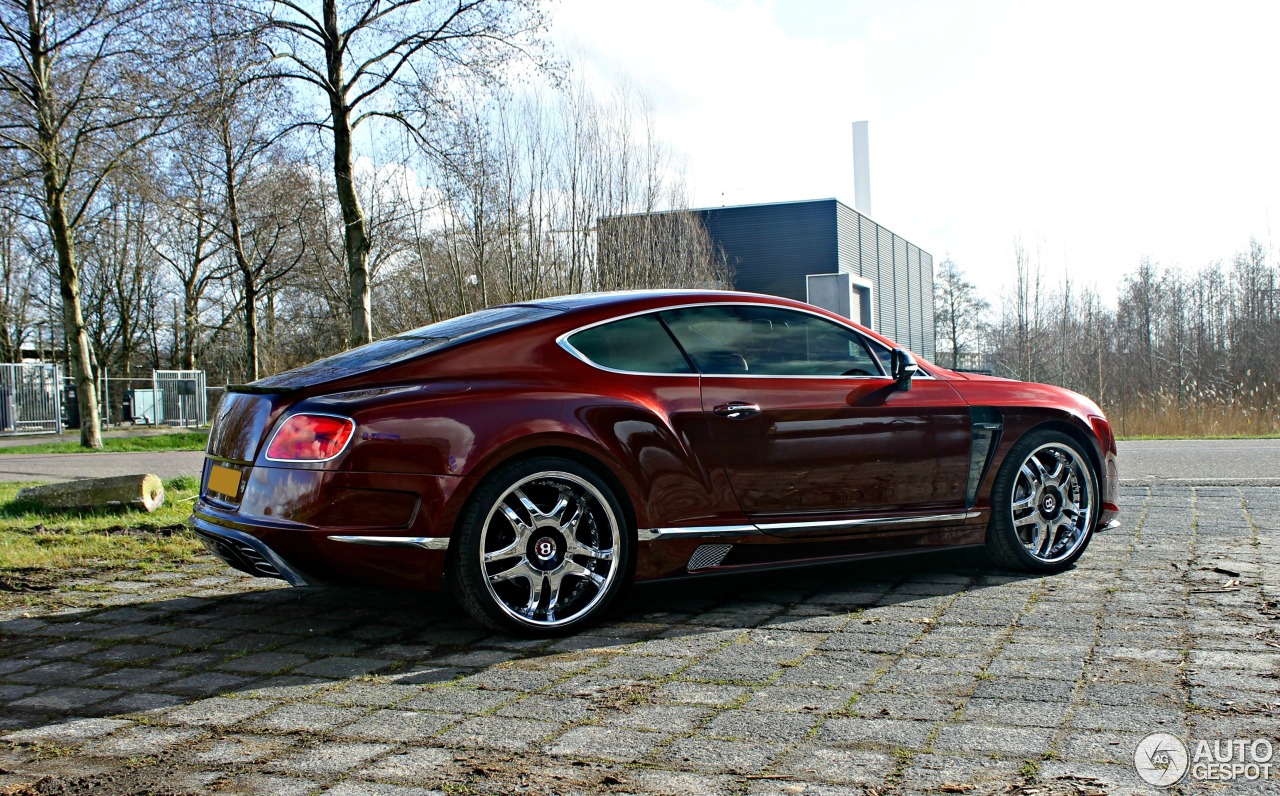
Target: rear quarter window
637,345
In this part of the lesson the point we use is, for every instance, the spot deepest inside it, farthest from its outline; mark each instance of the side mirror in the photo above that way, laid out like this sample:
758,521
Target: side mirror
903,368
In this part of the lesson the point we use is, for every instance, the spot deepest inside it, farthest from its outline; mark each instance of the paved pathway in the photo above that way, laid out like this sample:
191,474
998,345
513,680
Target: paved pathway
1198,462
1230,462
68,466
917,677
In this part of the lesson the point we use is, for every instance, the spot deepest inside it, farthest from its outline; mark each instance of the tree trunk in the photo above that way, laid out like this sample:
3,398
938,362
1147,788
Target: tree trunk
245,267
355,228
81,358
144,491
251,325
189,331
270,355
78,353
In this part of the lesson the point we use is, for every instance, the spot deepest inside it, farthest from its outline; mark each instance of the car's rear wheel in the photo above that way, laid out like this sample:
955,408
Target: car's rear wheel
543,548
1044,504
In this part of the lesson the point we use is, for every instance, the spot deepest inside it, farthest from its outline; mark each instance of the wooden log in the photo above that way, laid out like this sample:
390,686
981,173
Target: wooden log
145,491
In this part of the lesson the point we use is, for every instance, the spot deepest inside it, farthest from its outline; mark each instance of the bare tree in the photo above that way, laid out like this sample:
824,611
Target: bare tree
374,60
543,197
1142,312
268,242
18,276
1182,352
186,235
235,150
1019,337
119,275
959,310
79,87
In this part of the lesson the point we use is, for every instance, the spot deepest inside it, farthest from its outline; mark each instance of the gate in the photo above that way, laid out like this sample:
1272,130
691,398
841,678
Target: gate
30,399
179,398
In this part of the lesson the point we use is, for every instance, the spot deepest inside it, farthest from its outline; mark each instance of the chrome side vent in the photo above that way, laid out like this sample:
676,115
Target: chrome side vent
708,555
987,425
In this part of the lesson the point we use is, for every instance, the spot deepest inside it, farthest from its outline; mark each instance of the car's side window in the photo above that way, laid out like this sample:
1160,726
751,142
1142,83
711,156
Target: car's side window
637,345
769,341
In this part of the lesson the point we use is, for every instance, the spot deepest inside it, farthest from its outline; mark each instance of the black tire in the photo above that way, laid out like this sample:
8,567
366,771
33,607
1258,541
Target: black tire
1048,526
544,553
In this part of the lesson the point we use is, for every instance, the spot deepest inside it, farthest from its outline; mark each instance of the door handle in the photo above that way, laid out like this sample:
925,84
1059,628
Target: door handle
736,410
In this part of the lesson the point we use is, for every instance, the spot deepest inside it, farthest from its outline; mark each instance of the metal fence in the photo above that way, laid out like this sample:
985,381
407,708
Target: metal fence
178,399
69,401
30,399
35,398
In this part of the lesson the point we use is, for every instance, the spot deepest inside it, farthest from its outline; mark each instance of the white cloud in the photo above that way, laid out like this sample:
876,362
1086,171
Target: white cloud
755,131
1097,132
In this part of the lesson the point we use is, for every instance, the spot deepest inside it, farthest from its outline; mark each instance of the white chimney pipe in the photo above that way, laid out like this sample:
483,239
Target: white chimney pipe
861,169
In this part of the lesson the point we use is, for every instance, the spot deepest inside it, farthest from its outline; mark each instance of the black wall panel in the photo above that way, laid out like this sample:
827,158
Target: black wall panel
771,248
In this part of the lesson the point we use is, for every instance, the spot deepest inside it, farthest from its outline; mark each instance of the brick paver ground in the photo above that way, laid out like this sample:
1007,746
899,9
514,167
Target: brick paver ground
921,676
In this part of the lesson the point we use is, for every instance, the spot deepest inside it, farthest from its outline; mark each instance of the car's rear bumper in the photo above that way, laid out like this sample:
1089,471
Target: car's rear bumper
246,552
310,556
309,526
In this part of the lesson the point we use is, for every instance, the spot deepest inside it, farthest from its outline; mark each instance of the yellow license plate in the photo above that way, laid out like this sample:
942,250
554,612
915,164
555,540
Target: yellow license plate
224,480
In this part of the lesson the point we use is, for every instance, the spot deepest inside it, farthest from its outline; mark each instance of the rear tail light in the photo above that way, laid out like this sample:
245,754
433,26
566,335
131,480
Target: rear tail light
310,438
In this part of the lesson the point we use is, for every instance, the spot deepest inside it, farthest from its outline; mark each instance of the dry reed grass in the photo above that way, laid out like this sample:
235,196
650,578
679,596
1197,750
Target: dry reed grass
1194,418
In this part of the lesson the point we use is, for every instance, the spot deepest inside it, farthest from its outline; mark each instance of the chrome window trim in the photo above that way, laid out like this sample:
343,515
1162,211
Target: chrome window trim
424,542
563,342
714,531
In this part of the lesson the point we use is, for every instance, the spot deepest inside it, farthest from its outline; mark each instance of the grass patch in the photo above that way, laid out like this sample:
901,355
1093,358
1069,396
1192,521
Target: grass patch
183,483
177,441
1195,417
40,547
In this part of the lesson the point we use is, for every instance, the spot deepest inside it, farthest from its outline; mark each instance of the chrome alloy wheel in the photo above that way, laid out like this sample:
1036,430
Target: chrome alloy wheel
548,548
1053,502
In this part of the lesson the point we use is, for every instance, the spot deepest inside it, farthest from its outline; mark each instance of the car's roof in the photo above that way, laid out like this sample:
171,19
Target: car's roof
564,313
622,301
603,299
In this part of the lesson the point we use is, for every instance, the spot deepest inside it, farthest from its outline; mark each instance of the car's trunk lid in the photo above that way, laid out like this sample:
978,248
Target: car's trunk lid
239,426
359,363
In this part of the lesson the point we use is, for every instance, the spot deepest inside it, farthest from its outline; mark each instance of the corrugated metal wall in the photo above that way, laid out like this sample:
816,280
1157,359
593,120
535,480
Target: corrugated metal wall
929,347
884,283
771,248
902,296
915,322
870,262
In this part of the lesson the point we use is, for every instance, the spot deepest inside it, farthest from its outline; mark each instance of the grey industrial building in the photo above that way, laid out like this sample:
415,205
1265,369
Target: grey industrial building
829,254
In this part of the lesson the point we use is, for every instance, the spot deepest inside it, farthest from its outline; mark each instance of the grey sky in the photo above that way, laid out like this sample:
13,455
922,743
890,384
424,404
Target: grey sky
1097,132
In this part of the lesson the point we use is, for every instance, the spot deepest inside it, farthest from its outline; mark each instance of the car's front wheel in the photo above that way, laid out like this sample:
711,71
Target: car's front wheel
1044,504
542,548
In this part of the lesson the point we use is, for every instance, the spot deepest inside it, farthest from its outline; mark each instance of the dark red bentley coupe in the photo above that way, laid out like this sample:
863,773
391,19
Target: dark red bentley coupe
533,458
